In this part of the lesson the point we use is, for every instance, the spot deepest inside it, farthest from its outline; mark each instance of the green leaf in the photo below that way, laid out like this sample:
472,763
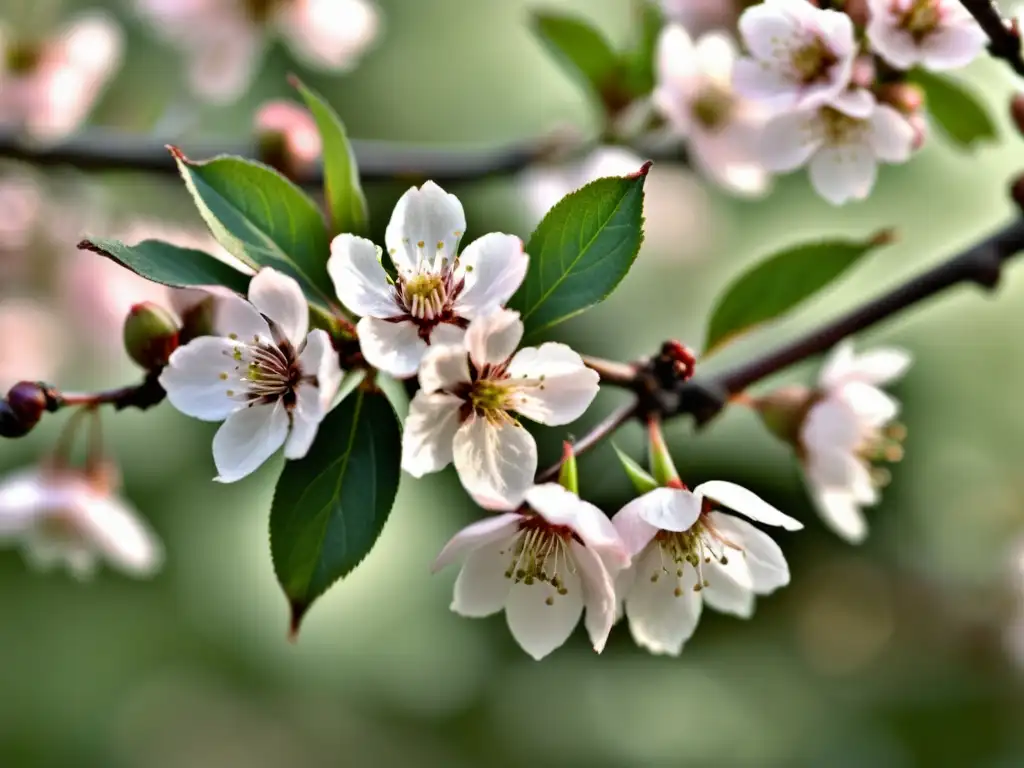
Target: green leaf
581,250
958,111
781,282
261,218
641,64
168,264
330,507
641,478
346,204
579,46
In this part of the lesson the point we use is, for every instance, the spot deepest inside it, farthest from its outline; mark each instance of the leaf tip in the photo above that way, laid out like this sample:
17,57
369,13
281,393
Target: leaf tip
176,153
88,245
298,613
884,236
642,173
294,81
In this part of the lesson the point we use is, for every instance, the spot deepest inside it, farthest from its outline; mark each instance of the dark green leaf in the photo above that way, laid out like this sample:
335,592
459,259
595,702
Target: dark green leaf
958,111
261,218
781,282
168,264
642,59
330,507
346,204
642,480
579,46
581,250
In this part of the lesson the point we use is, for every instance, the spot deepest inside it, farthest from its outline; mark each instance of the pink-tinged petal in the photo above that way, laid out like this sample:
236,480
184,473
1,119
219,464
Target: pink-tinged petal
953,46
280,298
540,618
761,28
330,34
881,365
738,498
444,368
724,594
496,461
306,418
359,280
892,135
114,528
446,334
764,559
677,63
247,439
838,366
831,467
552,385
716,55
319,358
598,595
841,174
292,124
854,102
838,30
491,339
563,507
222,57
429,432
239,320
493,268
840,512
892,43
831,425
636,533
482,586
663,609
202,379
871,405
426,222
670,509
763,84
22,496
394,348
789,140
475,536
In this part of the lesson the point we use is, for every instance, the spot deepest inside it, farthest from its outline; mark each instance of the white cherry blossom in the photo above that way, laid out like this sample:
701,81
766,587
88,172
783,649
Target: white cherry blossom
64,516
934,34
544,565
462,412
437,290
800,56
842,148
695,94
268,378
846,429
684,553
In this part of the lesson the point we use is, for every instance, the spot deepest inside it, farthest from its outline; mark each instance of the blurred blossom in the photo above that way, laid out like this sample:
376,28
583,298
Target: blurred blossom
21,201
65,516
33,344
224,40
699,16
935,34
289,129
694,93
48,87
1013,634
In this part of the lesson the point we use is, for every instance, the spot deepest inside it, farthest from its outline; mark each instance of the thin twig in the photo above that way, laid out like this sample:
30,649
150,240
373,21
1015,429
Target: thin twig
1004,40
595,436
142,396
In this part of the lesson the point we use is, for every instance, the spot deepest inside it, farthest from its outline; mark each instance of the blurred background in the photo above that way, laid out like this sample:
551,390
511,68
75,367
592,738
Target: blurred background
905,651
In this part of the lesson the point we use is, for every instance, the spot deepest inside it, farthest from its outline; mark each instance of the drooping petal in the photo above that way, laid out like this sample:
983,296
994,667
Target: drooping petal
476,535
239,320
764,559
598,594
540,618
482,587
247,439
319,358
670,509
491,339
202,378
429,433
359,279
831,426
724,594
892,135
841,174
497,461
306,418
738,498
426,221
22,495
444,367
841,513
394,348
560,506
493,268
880,365
635,532
789,140
838,366
663,609
280,298
556,386
115,529
872,406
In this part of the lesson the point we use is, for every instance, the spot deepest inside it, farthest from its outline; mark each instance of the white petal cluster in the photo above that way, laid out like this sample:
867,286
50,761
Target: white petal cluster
934,34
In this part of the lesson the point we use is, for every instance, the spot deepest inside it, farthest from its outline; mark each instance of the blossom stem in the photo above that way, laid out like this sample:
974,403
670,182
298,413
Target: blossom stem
595,436
1004,40
142,396
612,372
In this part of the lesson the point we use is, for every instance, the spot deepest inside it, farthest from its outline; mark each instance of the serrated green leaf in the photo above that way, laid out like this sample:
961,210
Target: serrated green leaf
781,282
581,250
346,203
168,264
641,478
262,219
959,112
581,47
330,507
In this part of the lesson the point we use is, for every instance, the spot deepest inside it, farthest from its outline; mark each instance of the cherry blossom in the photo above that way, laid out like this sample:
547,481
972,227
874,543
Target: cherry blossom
846,429
695,95
70,517
544,564
842,148
48,87
437,290
33,345
685,553
224,40
292,129
800,56
935,34
268,378
462,412
699,15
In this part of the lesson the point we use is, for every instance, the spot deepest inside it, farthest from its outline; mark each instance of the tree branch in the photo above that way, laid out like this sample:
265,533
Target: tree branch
141,396
1004,40
594,437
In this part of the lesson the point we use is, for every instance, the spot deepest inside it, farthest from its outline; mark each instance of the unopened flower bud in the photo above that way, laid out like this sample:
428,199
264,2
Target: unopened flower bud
1017,111
906,98
863,75
784,410
150,335
858,12
27,401
287,138
10,424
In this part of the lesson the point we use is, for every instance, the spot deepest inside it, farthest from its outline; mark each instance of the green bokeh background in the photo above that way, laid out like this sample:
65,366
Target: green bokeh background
888,654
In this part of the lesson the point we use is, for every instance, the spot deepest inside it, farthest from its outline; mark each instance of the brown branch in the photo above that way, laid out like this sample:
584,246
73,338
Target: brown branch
1004,39
141,396
595,436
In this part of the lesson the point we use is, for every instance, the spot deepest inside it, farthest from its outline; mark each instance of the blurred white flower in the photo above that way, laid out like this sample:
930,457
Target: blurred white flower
292,127
684,553
543,565
800,56
48,88
845,430
842,148
934,34
21,200
437,291
267,379
699,16
64,516
224,40
695,94
33,346
461,414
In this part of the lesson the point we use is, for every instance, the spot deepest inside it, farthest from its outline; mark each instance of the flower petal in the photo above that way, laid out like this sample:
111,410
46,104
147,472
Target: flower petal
764,559
840,512
952,47
22,495
838,366
482,587
598,594
394,348
201,378
560,506
831,427
493,268
724,594
247,439
540,618
496,461
319,358
762,26
738,498
429,432
240,321
115,529
477,535
892,135
280,298
444,368
305,422
670,509
840,174
789,140
558,387
447,334
426,222
636,533
871,405
663,609
881,365
359,280
492,339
